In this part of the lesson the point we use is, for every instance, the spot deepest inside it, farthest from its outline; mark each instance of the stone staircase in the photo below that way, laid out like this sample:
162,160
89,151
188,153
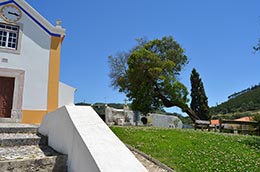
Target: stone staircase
22,149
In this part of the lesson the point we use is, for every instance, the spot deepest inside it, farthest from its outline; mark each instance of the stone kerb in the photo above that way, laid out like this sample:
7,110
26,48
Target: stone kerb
90,145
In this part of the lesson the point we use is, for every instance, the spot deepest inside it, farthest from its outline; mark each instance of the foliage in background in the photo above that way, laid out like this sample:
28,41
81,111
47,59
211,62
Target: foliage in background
184,119
199,100
256,117
234,95
247,101
83,104
192,151
150,77
232,116
100,107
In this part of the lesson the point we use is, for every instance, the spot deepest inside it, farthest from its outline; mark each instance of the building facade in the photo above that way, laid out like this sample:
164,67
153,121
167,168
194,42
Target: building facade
29,64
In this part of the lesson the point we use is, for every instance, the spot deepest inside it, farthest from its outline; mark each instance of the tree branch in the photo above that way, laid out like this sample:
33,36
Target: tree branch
169,103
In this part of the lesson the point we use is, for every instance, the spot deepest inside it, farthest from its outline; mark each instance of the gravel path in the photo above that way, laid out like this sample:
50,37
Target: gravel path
150,166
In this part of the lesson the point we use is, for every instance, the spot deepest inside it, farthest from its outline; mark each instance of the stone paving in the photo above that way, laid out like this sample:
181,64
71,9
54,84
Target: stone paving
17,135
23,149
21,145
17,125
18,128
150,166
18,139
25,152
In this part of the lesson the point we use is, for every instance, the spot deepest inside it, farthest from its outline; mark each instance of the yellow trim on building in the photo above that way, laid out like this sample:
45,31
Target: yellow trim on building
54,74
36,116
33,116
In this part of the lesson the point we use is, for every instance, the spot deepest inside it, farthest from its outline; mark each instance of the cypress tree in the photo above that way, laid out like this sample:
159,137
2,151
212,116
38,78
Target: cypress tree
199,100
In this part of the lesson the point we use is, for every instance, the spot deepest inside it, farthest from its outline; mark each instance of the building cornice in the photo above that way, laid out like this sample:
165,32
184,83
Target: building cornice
36,17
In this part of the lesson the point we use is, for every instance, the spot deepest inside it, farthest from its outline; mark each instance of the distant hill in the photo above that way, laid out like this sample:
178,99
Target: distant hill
245,100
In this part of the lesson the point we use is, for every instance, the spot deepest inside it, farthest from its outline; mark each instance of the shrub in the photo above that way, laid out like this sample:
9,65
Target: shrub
256,117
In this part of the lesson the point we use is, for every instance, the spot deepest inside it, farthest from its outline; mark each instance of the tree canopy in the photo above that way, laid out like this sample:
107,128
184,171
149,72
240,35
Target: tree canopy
199,100
148,75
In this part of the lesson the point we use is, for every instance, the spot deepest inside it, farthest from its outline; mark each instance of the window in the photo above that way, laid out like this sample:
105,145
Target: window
9,36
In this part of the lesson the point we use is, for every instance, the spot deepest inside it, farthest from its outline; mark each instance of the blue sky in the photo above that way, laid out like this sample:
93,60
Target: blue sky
217,36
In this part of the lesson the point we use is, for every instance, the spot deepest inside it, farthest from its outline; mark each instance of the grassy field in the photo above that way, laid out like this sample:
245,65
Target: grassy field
195,151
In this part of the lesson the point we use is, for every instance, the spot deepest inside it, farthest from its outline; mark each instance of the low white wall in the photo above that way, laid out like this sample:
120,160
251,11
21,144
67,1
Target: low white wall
91,146
167,121
66,94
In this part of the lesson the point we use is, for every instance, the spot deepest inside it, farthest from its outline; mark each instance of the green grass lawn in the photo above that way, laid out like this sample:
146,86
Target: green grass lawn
195,151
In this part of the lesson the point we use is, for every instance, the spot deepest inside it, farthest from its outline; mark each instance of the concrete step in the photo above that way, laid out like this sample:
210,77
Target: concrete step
9,120
31,158
18,139
23,149
18,128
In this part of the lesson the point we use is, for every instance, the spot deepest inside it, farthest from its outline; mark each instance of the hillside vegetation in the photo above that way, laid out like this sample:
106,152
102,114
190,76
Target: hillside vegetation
243,101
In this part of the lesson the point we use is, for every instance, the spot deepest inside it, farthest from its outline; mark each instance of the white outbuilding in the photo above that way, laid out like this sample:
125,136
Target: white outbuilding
167,121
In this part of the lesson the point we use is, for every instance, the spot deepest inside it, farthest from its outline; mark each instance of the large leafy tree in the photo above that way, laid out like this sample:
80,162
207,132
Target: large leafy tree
148,74
199,100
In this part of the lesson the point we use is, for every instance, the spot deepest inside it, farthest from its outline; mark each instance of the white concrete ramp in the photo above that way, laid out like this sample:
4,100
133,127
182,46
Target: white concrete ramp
90,145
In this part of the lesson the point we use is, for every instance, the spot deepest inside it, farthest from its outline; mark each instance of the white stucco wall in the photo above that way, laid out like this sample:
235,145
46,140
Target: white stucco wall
33,58
167,121
66,94
113,114
91,146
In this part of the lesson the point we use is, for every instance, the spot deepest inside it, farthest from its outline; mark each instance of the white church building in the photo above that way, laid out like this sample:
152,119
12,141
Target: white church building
29,64
30,92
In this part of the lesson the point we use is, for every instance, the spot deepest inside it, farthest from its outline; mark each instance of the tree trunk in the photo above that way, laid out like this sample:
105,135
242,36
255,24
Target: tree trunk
184,107
192,114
